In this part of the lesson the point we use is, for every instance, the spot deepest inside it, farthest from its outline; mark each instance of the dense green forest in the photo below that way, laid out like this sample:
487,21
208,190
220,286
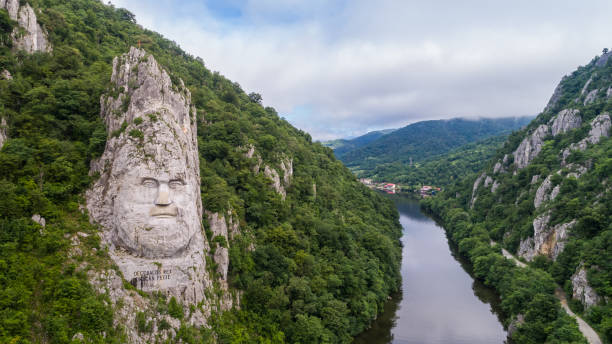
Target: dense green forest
509,214
439,170
421,140
324,260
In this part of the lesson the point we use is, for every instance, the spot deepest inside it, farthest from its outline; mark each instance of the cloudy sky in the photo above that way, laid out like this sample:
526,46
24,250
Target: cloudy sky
342,68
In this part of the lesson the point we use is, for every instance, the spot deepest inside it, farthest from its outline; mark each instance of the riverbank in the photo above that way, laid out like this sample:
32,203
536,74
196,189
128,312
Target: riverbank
528,294
439,302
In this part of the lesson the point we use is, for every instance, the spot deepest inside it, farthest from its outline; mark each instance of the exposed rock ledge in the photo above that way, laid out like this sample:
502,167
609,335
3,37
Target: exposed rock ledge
531,146
600,127
582,289
3,132
546,241
286,167
32,38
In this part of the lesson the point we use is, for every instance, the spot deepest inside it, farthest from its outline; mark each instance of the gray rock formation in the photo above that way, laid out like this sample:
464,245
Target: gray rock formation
582,290
32,38
6,75
3,132
565,120
535,179
556,96
600,127
488,181
495,186
475,188
545,192
530,147
498,167
546,241
147,199
285,166
586,85
603,59
591,97
39,219
218,226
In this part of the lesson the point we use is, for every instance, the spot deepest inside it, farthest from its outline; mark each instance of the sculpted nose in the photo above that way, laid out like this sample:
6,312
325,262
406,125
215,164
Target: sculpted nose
163,195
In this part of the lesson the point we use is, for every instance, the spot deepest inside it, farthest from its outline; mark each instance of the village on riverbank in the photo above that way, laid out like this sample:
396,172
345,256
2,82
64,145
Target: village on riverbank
422,191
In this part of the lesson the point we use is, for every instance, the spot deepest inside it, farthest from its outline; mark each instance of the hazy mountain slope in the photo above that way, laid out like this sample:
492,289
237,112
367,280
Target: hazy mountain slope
546,197
420,140
439,170
313,254
341,146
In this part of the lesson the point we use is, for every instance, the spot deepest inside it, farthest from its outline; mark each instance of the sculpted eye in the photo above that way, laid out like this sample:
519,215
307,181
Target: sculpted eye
173,184
149,183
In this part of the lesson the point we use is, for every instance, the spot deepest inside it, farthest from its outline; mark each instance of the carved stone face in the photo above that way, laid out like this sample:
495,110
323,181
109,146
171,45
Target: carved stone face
155,210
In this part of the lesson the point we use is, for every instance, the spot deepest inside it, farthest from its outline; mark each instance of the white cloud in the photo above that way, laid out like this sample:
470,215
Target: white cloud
353,66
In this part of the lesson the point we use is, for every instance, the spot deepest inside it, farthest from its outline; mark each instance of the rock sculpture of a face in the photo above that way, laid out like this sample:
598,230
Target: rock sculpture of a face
147,198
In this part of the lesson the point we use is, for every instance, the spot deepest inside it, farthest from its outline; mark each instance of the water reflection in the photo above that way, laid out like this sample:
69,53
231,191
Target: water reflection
439,302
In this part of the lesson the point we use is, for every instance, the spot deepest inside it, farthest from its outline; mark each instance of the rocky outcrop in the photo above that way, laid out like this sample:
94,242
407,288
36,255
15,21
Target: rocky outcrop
546,192
545,241
600,127
530,147
30,36
603,59
6,75
475,188
582,290
39,219
280,184
495,186
147,199
590,97
3,131
554,99
565,120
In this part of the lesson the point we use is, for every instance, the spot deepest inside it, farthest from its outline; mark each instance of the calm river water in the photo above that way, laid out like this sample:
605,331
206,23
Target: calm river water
439,302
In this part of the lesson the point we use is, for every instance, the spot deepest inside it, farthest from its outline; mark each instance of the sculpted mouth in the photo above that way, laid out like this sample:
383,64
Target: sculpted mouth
164,212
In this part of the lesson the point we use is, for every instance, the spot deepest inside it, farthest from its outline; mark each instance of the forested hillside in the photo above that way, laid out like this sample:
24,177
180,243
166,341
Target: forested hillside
342,146
421,140
313,263
546,198
439,170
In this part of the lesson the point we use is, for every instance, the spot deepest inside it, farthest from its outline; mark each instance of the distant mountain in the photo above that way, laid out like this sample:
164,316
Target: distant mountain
341,146
421,140
443,169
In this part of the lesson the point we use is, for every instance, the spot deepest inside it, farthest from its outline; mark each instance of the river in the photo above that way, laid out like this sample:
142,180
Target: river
440,302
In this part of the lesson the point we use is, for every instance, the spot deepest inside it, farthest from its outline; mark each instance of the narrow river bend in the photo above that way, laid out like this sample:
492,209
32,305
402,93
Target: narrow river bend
440,303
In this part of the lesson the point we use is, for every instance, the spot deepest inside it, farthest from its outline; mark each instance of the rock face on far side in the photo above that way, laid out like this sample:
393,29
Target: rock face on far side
32,38
545,241
3,132
530,147
600,127
565,120
582,290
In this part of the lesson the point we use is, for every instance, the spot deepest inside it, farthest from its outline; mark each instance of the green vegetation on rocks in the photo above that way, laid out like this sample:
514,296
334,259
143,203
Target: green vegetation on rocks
554,210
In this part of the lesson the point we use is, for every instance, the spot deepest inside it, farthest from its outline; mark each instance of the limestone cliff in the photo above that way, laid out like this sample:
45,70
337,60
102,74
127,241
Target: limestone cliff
3,132
546,240
147,199
30,36
582,290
